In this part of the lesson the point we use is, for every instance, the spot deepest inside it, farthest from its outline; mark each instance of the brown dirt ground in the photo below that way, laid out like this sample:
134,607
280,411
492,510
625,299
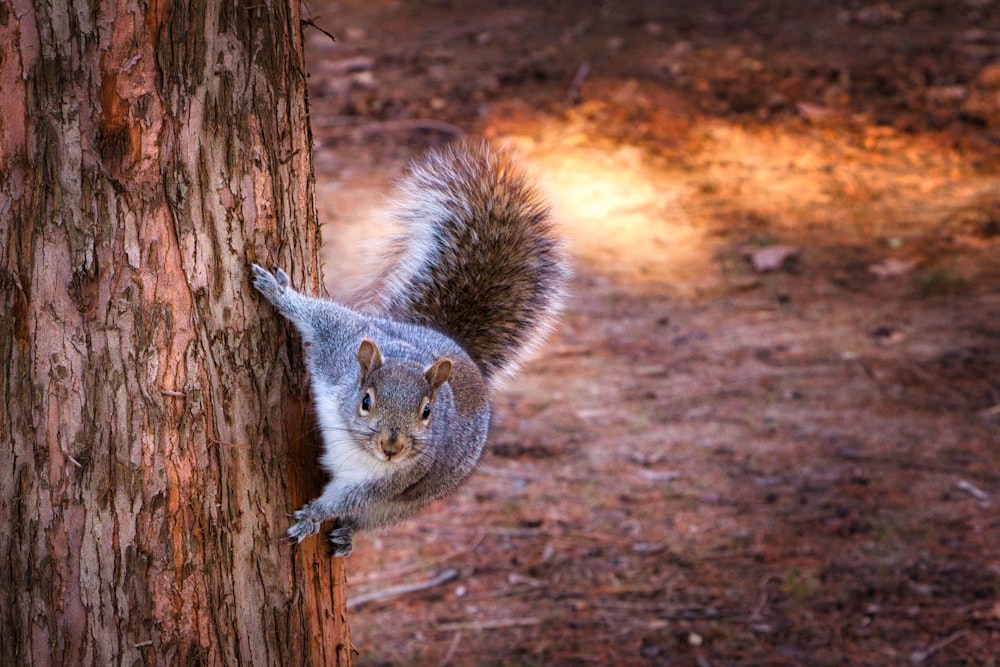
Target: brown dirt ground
708,465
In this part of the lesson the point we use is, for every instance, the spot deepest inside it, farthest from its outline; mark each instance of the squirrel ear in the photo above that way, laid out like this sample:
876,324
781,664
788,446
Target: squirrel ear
438,373
369,357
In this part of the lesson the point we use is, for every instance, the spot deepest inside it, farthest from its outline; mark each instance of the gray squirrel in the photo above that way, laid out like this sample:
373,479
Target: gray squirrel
401,389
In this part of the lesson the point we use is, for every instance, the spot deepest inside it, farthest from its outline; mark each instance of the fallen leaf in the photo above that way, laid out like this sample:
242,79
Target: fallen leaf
772,258
813,111
893,267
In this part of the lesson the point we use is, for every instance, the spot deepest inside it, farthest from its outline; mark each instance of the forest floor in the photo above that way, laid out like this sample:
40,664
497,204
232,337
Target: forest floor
767,431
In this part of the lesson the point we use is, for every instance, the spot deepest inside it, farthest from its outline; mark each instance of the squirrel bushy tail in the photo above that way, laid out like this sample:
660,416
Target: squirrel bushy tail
477,258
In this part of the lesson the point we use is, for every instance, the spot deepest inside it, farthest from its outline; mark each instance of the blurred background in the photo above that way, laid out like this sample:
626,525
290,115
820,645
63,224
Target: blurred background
767,431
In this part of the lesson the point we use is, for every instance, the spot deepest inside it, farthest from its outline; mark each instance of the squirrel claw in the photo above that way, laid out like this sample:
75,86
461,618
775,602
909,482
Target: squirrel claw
305,527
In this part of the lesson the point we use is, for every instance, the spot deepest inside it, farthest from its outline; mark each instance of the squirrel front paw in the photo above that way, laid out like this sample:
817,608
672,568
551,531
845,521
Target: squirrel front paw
271,286
303,528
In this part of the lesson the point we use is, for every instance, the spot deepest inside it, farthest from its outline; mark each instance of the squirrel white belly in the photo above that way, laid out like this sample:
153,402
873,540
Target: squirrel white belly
473,285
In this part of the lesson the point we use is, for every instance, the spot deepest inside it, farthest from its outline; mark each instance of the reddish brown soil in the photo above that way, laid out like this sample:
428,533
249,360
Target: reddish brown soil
708,465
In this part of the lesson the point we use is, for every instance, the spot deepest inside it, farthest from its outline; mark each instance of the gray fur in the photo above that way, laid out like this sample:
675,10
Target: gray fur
478,284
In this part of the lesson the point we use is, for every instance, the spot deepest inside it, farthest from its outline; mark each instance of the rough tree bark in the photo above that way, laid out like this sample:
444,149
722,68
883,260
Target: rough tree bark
154,426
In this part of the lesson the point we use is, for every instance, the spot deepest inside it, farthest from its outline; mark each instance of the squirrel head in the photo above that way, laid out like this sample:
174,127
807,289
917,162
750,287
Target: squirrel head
395,401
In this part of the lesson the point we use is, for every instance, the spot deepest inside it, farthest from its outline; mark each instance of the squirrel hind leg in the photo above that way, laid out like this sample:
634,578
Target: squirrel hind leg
339,540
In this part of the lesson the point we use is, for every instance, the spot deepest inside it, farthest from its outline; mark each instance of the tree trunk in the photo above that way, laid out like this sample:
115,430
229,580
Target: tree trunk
154,427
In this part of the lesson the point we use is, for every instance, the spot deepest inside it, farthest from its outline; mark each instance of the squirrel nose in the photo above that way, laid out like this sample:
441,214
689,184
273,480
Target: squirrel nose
391,443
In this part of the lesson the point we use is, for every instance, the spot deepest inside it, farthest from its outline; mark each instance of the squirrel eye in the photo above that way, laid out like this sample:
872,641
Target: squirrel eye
426,412
366,403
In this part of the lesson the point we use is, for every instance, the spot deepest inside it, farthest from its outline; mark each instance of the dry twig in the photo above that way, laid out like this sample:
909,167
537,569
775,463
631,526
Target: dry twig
573,93
403,589
450,653
490,625
919,657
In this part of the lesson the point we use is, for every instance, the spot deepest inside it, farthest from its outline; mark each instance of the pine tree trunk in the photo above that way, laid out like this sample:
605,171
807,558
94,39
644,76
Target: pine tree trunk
154,427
